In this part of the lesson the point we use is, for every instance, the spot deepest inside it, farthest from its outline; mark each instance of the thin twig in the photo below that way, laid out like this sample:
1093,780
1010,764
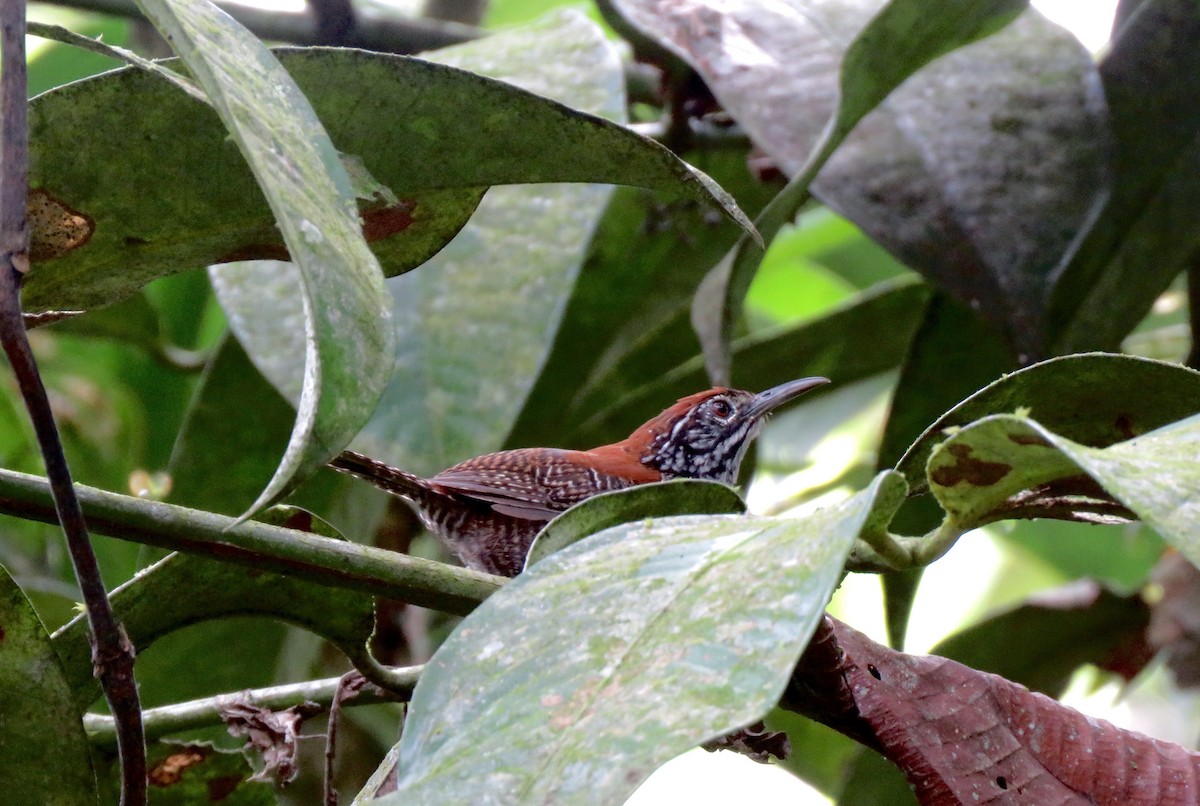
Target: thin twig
206,712
57,33
111,652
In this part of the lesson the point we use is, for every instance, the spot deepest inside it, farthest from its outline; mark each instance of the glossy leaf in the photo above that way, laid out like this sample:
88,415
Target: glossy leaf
659,500
43,748
346,334
980,171
863,57
1095,399
619,652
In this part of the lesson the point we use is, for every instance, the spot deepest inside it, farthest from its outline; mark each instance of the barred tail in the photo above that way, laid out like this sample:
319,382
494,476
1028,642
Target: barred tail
383,476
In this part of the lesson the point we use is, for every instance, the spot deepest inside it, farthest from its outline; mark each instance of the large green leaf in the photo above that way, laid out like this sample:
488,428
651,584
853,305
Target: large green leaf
1144,235
43,749
1096,399
980,171
346,335
184,198
619,652
875,53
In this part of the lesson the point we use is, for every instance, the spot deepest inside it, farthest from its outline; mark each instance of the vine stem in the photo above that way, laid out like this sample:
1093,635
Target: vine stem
112,654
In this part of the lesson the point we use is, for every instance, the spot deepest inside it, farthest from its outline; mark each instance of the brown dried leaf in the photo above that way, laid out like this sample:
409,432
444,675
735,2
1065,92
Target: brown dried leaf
273,734
964,736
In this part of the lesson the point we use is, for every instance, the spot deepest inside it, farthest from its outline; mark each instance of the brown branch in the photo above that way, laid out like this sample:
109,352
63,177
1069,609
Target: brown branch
964,736
111,652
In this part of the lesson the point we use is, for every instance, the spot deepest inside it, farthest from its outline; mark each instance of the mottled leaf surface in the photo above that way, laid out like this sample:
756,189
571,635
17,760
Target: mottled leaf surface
1096,399
980,170
1010,466
861,57
42,745
965,736
347,338
617,653
658,500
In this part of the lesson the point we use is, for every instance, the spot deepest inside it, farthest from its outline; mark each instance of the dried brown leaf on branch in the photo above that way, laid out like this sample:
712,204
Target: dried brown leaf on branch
965,736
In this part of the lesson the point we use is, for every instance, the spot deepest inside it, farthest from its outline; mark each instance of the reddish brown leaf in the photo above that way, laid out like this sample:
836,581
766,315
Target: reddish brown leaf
964,736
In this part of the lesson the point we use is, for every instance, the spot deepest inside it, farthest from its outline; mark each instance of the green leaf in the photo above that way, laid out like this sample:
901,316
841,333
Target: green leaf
1143,237
1096,399
347,338
182,590
847,344
954,172
659,500
1007,466
626,321
221,459
619,652
903,37
185,198
43,749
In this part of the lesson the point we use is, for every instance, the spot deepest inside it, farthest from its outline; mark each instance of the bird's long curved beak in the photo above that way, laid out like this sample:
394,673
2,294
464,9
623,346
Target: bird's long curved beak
765,402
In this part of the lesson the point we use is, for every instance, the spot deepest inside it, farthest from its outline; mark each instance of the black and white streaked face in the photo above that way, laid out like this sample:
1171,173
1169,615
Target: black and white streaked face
709,440
710,432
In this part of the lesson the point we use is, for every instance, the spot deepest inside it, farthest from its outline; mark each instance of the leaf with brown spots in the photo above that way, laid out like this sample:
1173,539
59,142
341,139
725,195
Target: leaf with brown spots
54,228
1096,399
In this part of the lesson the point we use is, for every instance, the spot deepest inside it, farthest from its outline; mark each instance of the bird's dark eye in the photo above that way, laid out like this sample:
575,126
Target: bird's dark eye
721,408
